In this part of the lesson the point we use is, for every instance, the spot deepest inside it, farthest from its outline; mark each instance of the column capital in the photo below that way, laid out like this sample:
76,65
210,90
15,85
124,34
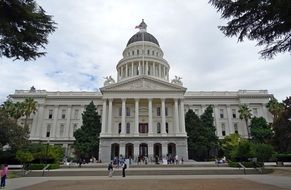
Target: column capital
123,99
163,99
150,99
110,99
136,99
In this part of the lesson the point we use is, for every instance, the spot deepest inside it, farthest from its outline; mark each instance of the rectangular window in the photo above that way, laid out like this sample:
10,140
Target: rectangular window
48,130
76,114
63,114
120,111
221,113
223,129
50,116
62,127
148,51
233,113
158,111
166,111
255,112
127,111
137,52
235,127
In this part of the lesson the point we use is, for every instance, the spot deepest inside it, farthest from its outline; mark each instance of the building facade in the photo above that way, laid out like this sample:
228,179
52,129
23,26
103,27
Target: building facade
143,112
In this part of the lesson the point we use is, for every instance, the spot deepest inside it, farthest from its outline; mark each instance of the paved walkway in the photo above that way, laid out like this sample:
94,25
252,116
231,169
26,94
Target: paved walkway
277,181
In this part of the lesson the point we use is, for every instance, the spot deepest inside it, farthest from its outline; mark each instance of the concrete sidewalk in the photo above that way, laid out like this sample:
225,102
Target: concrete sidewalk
279,181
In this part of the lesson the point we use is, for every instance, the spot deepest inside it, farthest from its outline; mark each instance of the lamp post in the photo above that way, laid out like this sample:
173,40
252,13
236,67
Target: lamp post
46,154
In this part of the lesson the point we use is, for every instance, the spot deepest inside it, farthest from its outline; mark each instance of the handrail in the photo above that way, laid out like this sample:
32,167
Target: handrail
45,168
241,165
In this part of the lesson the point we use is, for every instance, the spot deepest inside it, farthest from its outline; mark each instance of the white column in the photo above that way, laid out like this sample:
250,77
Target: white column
136,150
176,109
136,133
121,72
139,68
154,69
104,117
54,127
229,119
150,106
163,117
143,70
160,72
132,69
126,70
123,117
33,133
39,123
182,117
68,121
147,68
109,125
122,149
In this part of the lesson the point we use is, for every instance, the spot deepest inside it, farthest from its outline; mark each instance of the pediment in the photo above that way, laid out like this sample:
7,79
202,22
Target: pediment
143,83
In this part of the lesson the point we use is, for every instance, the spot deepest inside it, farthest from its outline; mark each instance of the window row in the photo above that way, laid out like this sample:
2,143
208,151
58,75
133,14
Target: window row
140,52
128,111
61,129
223,131
143,128
64,113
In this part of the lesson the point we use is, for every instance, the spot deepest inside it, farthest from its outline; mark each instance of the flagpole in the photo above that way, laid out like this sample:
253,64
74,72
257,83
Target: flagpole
143,52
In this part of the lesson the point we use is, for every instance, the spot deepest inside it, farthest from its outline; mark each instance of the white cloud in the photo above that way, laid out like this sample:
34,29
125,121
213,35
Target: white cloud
92,34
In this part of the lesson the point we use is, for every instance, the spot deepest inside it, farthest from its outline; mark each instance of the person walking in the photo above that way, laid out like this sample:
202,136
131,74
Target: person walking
124,166
4,174
110,169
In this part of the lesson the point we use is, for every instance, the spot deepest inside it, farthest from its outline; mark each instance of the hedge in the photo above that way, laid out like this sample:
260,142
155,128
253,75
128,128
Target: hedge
283,157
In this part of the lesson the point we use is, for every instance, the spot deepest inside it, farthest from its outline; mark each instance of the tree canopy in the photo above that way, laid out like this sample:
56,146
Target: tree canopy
245,114
268,22
87,137
24,29
261,131
202,141
282,129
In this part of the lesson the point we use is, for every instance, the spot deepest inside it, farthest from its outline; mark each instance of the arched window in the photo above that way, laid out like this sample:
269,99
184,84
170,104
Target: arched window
127,111
119,128
158,111
127,128
167,127
132,52
148,51
153,53
166,111
137,52
158,128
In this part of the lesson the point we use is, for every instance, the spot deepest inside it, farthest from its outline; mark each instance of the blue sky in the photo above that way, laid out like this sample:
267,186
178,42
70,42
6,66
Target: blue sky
92,34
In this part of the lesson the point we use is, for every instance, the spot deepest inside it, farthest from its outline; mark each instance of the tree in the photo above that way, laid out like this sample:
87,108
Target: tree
282,129
11,133
202,141
29,106
24,156
229,143
261,131
268,22
242,152
245,113
24,28
263,152
275,108
87,137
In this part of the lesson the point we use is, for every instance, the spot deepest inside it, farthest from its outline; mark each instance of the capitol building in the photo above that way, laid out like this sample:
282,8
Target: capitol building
143,111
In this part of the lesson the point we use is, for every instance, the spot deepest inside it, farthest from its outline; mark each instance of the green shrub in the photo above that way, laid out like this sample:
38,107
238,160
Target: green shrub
283,157
54,166
36,166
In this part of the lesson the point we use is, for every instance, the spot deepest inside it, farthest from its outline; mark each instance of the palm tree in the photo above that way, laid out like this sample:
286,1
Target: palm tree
275,108
29,106
245,113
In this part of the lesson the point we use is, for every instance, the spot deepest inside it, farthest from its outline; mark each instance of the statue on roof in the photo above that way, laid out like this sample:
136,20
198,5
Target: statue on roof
177,80
108,80
32,89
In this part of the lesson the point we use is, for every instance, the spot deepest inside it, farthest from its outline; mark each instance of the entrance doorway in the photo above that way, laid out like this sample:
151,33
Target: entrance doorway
114,150
129,150
172,149
158,150
143,150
